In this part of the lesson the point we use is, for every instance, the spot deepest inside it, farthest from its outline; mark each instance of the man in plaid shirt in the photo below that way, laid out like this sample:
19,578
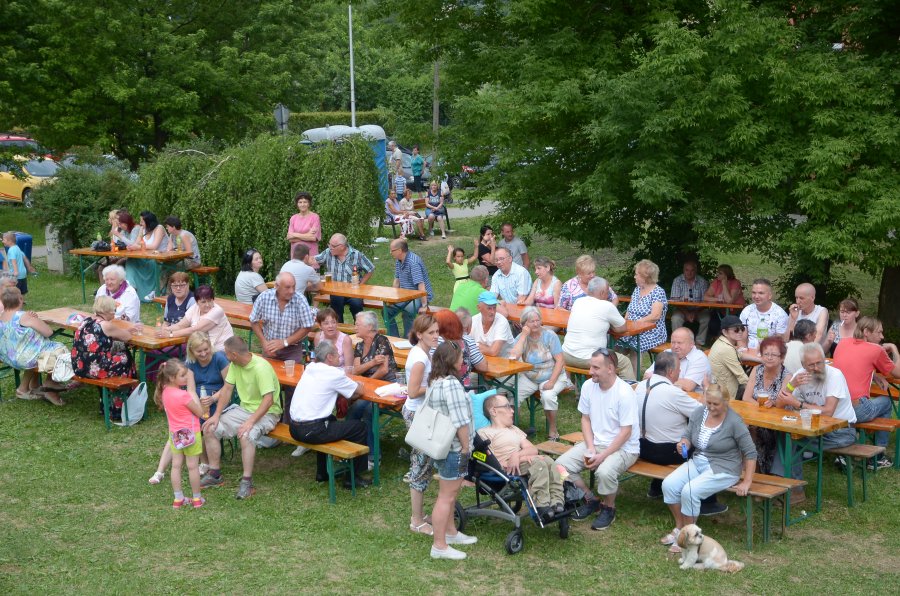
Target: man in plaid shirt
690,287
340,258
410,274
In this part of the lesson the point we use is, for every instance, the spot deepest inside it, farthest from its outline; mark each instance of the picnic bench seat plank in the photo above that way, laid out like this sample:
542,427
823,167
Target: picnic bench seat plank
108,386
856,453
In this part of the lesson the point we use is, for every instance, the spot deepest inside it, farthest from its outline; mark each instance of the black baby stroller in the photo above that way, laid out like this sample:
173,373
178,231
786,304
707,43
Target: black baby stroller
507,492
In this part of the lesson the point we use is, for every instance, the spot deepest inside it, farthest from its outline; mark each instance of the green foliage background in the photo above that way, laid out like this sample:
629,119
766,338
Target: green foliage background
243,196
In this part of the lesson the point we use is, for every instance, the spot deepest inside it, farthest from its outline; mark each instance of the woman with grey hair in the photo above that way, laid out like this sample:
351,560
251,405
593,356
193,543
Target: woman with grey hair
648,305
540,348
128,305
373,356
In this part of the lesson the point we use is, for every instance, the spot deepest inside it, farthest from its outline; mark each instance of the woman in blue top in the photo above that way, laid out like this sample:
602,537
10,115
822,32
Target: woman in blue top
208,370
540,348
648,305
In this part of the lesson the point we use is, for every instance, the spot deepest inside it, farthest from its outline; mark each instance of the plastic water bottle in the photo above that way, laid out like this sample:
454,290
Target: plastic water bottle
203,395
762,329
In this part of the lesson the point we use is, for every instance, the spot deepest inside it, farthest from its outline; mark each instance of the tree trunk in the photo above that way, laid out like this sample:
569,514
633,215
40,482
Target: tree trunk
888,300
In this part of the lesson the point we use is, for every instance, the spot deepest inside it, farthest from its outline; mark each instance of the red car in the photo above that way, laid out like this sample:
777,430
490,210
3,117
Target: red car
19,142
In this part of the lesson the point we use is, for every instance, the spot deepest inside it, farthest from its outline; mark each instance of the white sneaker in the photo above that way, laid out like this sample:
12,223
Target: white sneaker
157,477
448,553
299,451
204,468
460,538
149,297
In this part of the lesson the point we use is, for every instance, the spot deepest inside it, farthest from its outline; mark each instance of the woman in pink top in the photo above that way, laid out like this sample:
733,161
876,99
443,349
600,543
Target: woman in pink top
328,329
725,288
305,226
206,316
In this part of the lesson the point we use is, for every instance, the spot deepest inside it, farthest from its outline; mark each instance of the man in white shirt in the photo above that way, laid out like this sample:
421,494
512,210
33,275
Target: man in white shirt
693,364
609,424
511,282
312,420
491,331
591,319
305,277
762,318
517,249
820,387
806,309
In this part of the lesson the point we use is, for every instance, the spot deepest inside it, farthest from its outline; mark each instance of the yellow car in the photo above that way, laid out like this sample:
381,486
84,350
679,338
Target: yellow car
36,171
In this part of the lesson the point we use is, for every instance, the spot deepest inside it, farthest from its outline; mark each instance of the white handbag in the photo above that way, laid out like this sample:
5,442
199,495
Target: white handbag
431,432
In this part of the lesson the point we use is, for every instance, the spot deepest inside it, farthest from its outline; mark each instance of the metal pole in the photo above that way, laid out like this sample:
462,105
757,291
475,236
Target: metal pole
352,89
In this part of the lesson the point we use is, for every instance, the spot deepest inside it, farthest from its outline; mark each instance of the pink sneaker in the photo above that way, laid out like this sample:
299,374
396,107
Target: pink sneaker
198,503
179,503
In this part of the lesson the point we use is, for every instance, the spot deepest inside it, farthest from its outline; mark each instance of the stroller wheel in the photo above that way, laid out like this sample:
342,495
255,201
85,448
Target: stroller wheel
459,517
515,542
564,528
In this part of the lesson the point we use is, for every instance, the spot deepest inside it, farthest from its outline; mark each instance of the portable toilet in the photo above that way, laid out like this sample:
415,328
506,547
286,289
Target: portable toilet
373,134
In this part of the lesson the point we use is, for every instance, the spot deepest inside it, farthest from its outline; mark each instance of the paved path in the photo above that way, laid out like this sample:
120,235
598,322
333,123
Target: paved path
482,209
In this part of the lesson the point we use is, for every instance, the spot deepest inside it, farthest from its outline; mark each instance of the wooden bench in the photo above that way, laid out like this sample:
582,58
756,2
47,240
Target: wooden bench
108,387
888,425
343,450
419,206
856,453
579,375
202,272
764,487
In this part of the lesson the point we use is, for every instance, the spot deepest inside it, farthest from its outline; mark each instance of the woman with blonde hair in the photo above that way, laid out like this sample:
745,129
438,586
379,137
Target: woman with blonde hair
575,288
648,305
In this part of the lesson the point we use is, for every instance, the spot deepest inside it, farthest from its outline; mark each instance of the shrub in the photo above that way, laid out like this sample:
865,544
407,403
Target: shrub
244,196
300,121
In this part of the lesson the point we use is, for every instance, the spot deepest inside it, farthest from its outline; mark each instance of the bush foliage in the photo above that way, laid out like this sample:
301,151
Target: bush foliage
300,121
244,196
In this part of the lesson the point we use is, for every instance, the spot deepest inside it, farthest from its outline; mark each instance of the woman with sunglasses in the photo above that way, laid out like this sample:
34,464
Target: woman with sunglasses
724,358
767,378
249,283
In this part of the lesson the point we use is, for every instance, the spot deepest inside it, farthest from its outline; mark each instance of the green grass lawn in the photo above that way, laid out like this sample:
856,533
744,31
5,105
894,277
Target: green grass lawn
79,517
19,219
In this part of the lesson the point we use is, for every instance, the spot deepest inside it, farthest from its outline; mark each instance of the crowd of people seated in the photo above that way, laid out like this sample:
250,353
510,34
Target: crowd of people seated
764,353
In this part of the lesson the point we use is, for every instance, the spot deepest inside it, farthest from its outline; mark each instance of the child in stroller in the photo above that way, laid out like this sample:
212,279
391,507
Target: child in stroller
503,481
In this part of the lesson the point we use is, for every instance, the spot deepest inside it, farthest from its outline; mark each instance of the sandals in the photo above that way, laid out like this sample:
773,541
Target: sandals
671,538
674,549
52,396
553,438
28,395
422,529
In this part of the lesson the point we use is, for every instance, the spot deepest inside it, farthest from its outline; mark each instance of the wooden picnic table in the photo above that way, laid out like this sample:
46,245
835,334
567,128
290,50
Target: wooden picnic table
789,432
386,294
688,303
390,404
156,256
233,309
143,342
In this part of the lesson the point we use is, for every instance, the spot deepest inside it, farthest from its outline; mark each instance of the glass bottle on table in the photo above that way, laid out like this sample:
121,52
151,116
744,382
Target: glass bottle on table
354,279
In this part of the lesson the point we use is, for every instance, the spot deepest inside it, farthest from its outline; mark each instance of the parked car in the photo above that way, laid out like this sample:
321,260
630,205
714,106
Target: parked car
35,172
18,142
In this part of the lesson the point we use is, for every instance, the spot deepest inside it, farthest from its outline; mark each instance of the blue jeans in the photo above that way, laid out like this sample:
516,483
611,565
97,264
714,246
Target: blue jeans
839,438
361,409
409,311
692,481
868,408
338,303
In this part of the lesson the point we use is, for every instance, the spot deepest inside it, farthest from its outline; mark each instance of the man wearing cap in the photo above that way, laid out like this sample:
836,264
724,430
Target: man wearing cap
725,360
491,331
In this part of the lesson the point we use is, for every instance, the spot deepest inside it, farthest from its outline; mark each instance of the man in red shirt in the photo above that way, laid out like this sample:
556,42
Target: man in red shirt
859,358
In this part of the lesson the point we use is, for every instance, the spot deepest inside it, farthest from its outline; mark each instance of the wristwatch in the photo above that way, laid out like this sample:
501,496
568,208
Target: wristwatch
285,342
170,333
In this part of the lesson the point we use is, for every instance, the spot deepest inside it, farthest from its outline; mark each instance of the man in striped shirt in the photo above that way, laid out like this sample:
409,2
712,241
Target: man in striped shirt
340,258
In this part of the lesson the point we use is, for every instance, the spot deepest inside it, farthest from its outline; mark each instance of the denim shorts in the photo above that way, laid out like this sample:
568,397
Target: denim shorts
452,468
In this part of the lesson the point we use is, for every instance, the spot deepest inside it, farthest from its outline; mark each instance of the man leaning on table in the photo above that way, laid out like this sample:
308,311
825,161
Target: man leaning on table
256,415
693,364
409,274
340,258
312,420
821,387
280,319
511,281
690,287
592,317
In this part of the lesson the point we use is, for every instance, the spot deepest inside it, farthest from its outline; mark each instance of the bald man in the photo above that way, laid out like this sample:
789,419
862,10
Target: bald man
806,309
340,259
693,365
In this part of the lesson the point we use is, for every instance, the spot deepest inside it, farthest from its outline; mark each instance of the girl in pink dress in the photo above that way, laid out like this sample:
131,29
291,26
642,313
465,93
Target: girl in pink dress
305,226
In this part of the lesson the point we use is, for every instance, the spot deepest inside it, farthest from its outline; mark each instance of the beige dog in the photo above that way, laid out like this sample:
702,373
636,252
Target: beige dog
702,552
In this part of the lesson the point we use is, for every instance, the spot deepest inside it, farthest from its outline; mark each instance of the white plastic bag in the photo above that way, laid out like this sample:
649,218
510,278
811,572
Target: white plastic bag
135,405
